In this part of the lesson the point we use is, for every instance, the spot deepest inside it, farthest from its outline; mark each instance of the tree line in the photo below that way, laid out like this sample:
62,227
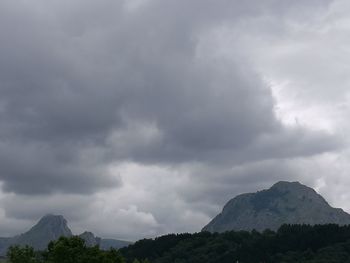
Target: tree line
65,250
291,243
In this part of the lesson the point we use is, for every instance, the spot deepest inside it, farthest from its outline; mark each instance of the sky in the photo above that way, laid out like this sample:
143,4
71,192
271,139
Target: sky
137,118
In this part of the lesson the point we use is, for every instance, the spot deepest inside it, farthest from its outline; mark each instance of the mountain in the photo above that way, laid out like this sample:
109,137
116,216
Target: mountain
51,227
103,243
107,243
90,239
283,203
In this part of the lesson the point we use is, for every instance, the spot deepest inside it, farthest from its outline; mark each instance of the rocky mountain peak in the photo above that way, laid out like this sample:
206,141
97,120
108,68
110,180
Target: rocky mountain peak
289,185
52,226
293,187
90,239
283,203
49,227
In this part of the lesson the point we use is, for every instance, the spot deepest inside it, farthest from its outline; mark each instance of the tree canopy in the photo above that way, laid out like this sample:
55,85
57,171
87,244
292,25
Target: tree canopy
291,243
64,250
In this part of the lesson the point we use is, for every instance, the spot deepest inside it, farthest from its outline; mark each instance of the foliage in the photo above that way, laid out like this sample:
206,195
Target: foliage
64,250
16,254
291,243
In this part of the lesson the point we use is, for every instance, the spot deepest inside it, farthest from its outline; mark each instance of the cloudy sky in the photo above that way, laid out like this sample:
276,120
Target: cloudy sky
135,118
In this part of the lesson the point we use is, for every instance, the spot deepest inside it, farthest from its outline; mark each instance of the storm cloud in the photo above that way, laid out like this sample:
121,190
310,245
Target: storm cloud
100,102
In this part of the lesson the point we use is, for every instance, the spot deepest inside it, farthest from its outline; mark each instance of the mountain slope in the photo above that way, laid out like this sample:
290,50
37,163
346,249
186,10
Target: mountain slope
92,240
290,244
283,203
51,227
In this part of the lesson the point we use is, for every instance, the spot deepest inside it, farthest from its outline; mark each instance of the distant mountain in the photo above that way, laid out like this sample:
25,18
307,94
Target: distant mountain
90,239
103,243
115,243
283,203
51,227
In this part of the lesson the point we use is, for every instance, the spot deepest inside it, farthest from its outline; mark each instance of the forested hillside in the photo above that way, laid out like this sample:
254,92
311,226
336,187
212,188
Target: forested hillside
64,250
291,243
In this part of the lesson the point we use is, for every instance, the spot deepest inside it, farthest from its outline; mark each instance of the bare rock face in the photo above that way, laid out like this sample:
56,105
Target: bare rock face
90,239
283,203
50,228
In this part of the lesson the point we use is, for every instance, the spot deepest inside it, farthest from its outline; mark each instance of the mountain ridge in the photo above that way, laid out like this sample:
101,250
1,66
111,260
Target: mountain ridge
51,227
283,203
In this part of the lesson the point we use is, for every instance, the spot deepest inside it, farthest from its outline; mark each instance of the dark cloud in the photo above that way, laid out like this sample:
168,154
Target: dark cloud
24,207
41,168
80,81
87,88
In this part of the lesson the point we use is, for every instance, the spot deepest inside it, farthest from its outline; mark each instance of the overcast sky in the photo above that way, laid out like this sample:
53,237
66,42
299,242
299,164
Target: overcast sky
135,118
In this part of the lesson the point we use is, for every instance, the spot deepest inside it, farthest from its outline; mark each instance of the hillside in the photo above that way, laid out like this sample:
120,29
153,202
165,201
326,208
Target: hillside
51,227
290,244
283,203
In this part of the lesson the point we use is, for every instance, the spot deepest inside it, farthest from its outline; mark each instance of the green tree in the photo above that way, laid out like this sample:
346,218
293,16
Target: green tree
66,250
74,250
17,254
112,256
